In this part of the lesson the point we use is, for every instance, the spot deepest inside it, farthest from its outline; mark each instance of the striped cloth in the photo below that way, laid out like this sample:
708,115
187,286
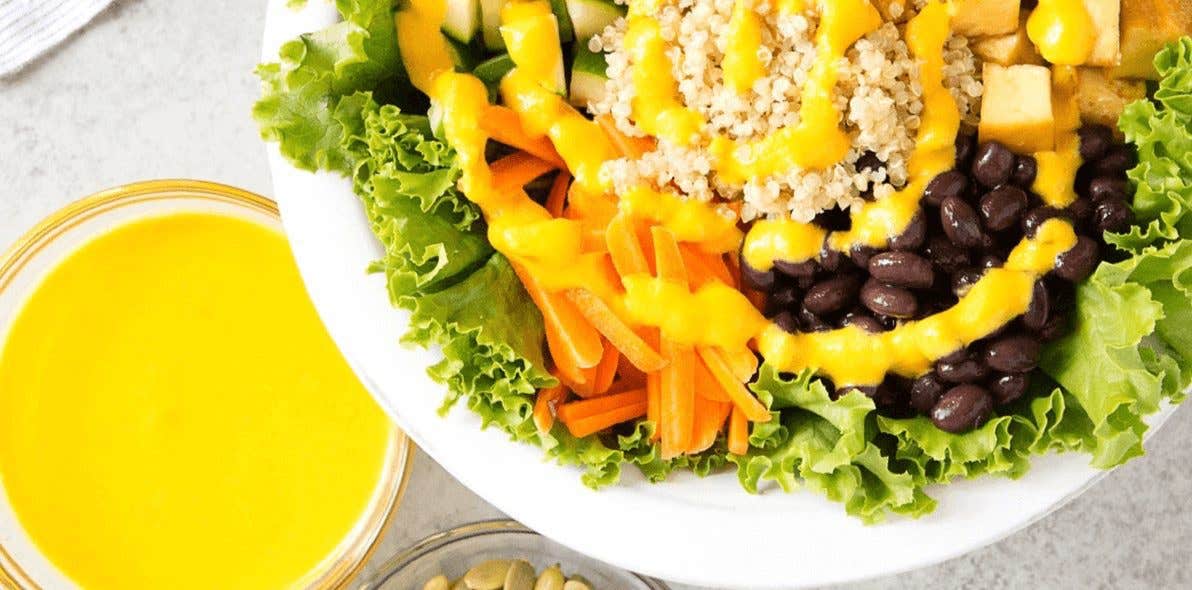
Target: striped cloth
30,27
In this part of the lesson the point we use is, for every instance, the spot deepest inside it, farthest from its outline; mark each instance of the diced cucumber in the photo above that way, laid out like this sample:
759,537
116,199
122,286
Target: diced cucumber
462,20
590,17
490,23
532,38
559,7
491,70
588,75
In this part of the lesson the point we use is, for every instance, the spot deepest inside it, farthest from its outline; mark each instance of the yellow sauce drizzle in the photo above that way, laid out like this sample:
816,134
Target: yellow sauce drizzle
1057,169
423,48
715,230
1062,30
742,66
531,34
656,105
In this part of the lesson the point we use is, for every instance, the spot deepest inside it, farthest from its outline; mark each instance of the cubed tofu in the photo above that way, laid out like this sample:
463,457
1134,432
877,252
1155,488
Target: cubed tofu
1105,15
1010,49
1102,98
1148,25
1016,109
977,18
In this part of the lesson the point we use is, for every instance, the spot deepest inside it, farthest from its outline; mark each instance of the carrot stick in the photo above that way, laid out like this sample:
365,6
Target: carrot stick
633,147
753,409
574,338
558,194
625,248
706,266
568,372
709,418
738,432
618,333
599,405
742,361
503,125
654,400
518,169
544,407
606,371
667,257
706,386
734,269
629,373
591,425
678,399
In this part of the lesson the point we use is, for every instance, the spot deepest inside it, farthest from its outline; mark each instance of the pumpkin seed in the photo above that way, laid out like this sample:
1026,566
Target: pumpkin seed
437,583
575,584
551,579
489,575
520,576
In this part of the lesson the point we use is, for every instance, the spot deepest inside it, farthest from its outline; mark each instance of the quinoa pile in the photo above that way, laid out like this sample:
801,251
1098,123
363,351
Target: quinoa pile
878,92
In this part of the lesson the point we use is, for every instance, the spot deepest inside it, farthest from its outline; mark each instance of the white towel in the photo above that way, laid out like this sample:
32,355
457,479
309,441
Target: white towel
30,27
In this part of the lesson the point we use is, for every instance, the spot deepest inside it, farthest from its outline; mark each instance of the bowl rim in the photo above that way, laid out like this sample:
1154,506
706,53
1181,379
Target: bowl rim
442,539
354,551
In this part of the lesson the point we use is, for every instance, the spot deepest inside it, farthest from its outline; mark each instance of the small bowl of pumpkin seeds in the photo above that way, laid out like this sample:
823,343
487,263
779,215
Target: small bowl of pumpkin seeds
499,555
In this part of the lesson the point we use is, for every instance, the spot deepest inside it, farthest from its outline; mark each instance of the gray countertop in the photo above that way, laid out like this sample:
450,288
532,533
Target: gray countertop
157,89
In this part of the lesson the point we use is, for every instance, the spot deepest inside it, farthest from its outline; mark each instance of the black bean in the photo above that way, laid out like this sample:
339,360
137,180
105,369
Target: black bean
912,237
805,283
1108,187
869,161
1077,264
756,279
888,300
1039,310
949,184
833,260
863,321
990,261
832,294
1026,168
961,367
810,322
1117,160
902,269
1095,140
1080,210
965,144
1028,4
1054,329
1063,294
785,296
787,321
962,408
1009,387
1035,217
834,219
1002,206
806,268
993,164
1112,215
860,255
947,256
925,392
960,222
964,280
1013,354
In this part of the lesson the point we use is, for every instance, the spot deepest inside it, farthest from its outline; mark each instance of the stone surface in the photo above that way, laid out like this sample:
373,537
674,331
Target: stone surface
156,89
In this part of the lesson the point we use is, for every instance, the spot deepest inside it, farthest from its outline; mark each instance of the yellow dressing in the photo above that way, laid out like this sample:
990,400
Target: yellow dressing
424,50
742,66
173,414
690,220
772,239
1062,30
684,316
531,36
1057,169
657,108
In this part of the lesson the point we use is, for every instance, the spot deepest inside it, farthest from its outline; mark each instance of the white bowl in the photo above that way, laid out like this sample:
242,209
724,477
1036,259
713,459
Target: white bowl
699,531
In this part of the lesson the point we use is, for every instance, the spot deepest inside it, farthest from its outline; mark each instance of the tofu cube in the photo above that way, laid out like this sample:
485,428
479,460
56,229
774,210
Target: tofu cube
1148,25
1102,98
1105,15
1008,50
1016,109
977,18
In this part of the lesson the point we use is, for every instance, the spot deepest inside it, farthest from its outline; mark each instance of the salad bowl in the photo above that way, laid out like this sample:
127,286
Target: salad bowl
703,531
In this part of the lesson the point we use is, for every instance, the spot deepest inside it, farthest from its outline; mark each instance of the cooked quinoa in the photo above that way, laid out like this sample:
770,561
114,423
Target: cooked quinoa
878,92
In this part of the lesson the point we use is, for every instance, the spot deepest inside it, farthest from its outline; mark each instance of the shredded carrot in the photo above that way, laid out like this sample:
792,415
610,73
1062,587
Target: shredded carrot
706,386
742,361
738,432
678,399
633,147
599,379
503,125
568,372
569,335
592,424
709,266
557,196
517,170
654,399
599,405
618,332
667,257
544,407
709,419
753,409
625,248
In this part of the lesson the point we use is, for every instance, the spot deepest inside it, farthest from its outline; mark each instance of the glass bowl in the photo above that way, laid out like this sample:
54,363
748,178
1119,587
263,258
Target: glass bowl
453,552
39,251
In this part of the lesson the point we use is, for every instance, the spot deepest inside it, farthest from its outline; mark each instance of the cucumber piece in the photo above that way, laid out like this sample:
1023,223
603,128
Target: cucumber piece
588,75
490,24
590,17
566,33
462,20
532,38
491,70
465,55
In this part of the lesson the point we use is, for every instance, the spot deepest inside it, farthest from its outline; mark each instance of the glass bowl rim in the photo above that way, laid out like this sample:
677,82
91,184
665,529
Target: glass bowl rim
348,558
443,539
